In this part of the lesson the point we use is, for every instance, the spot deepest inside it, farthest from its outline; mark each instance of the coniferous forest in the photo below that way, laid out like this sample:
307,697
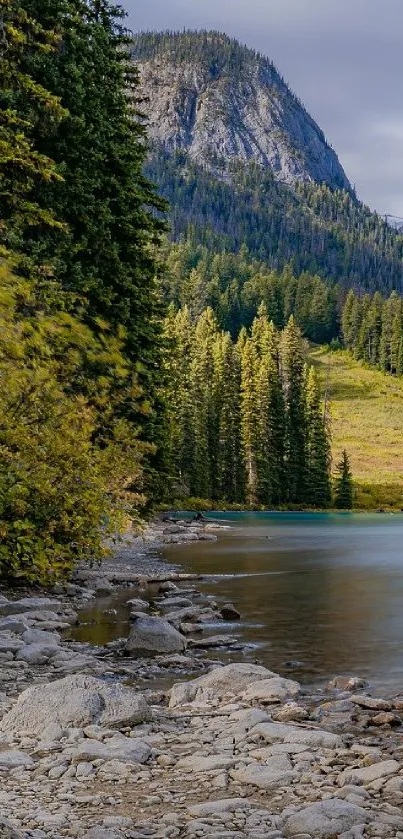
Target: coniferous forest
135,370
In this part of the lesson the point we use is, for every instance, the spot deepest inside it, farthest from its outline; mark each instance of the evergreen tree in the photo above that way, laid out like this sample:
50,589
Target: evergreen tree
292,362
105,257
318,445
343,485
230,467
249,413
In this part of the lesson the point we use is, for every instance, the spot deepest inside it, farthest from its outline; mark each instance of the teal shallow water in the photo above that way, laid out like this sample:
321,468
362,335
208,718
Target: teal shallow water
325,590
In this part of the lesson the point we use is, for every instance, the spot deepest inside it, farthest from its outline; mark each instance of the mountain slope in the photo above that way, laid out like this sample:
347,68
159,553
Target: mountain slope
243,164
221,102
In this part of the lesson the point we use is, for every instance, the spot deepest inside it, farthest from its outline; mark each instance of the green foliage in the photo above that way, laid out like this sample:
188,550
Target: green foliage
59,494
245,427
320,231
80,364
234,285
343,484
373,330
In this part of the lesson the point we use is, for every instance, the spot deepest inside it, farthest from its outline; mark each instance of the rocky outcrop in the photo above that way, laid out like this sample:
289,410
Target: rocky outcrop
221,102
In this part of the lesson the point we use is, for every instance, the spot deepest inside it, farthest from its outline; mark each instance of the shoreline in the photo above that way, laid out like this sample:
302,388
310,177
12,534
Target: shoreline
96,749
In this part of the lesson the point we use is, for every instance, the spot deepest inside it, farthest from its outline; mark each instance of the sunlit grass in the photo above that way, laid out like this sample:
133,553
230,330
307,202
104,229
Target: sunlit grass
367,419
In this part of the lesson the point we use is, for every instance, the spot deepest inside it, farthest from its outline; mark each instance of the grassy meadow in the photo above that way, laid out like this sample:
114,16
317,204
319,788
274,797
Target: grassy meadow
366,407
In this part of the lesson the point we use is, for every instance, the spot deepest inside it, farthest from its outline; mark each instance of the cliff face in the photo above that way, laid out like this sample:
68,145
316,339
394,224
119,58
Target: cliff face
221,102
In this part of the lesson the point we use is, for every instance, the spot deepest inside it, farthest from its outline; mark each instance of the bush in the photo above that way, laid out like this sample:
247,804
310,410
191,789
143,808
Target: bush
63,485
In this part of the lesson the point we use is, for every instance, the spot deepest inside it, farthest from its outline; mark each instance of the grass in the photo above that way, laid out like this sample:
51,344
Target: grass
366,407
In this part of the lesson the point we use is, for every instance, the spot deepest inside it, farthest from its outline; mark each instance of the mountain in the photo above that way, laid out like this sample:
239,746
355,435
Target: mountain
222,102
243,165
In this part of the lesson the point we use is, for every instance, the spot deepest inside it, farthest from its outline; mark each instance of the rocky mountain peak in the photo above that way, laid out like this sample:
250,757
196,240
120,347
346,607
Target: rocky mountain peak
222,102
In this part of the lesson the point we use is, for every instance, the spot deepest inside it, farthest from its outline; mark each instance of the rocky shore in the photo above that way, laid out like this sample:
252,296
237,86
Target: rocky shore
117,742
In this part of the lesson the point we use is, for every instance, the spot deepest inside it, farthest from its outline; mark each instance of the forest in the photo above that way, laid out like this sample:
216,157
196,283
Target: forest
132,369
316,229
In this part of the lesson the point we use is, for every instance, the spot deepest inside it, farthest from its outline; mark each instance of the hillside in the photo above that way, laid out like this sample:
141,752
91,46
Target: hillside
243,163
366,411
221,101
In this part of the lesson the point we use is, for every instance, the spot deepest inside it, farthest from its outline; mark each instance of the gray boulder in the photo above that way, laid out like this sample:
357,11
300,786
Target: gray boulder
8,831
29,604
40,636
124,749
271,690
36,653
326,819
75,701
150,636
10,760
231,680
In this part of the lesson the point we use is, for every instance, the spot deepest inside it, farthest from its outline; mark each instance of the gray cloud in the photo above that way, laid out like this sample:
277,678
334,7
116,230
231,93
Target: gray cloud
343,58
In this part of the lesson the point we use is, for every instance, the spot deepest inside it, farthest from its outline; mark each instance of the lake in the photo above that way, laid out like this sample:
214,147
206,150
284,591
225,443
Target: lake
324,591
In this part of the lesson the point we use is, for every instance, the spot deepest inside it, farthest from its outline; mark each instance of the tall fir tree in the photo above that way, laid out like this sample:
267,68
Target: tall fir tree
249,413
343,485
318,445
106,255
292,361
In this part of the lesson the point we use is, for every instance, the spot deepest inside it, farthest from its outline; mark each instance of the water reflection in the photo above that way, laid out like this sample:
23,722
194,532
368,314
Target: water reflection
323,589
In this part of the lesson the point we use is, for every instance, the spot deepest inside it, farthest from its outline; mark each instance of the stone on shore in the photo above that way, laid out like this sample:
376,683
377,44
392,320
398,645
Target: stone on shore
275,689
230,680
8,831
74,701
150,636
326,819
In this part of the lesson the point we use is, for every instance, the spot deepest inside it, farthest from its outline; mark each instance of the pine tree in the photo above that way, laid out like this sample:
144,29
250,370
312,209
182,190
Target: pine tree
230,467
318,445
249,413
343,485
348,320
106,255
292,362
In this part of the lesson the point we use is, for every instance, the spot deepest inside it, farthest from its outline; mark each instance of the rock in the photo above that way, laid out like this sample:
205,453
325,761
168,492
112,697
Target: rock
29,604
138,605
75,701
172,603
211,641
102,586
230,613
367,774
271,690
232,679
386,718
290,713
168,586
39,636
150,635
10,760
123,749
15,625
372,703
101,833
8,831
190,628
10,644
36,653
278,773
347,683
313,737
202,763
326,819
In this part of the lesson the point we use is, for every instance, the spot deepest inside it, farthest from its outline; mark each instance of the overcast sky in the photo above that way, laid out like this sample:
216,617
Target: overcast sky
344,59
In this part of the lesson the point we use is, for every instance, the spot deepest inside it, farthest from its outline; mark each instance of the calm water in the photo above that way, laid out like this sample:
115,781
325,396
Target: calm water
322,589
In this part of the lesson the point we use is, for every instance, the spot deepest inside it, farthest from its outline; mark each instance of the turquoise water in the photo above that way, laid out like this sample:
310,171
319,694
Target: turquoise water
324,591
